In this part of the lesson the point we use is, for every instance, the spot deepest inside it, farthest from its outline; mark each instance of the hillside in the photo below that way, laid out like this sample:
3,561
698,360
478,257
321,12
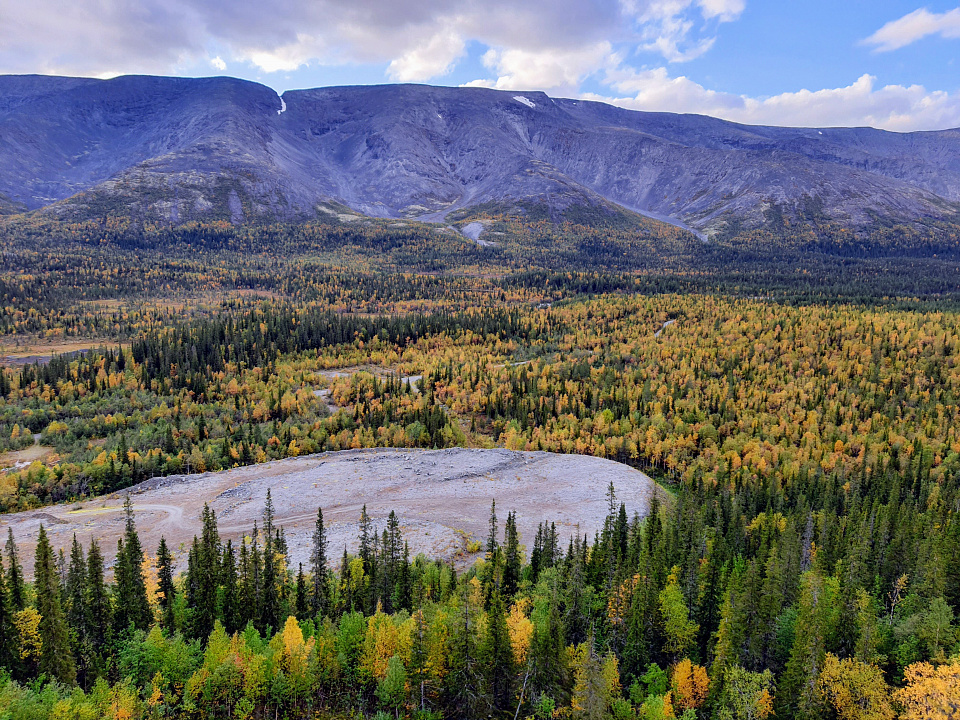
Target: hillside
175,149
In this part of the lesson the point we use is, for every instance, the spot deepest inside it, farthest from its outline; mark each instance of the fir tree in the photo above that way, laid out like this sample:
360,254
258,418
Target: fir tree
203,576
498,656
301,606
230,588
14,574
270,599
76,604
166,588
97,616
132,605
319,598
8,632
511,564
492,536
56,659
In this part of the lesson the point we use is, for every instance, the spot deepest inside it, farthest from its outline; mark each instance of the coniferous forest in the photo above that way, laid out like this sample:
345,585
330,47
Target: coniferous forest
794,392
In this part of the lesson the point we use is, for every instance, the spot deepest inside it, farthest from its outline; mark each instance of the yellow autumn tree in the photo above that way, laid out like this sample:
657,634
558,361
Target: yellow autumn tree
520,628
690,685
27,622
931,693
379,645
855,690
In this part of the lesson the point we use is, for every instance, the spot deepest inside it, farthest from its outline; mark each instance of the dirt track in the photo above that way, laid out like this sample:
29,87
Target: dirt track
441,496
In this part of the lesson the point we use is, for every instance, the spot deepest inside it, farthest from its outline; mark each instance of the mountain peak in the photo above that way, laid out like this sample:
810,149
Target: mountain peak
179,148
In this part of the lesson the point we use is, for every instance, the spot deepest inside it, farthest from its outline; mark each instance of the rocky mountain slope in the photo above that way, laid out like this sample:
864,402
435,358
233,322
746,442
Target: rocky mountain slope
173,149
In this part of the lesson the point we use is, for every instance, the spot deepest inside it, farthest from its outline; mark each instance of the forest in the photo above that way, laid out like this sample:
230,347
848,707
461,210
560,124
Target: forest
801,417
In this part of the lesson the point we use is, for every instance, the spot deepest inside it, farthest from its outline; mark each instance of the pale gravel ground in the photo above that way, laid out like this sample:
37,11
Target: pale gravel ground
441,496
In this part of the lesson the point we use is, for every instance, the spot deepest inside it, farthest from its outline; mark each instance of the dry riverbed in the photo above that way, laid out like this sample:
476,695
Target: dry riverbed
442,498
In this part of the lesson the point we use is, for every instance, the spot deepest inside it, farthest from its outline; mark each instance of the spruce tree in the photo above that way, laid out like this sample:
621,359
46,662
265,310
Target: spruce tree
98,611
14,574
56,659
319,598
166,588
8,632
270,599
246,589
366,550
511,564
300,605
76,593
203,576
133,607
498,656
121,590
492,537
230,588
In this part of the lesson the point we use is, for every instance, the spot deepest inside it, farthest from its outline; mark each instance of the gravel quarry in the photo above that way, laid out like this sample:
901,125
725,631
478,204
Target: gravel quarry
442,498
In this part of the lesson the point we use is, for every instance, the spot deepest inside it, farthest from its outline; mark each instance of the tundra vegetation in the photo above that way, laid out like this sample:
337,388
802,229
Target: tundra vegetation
801,414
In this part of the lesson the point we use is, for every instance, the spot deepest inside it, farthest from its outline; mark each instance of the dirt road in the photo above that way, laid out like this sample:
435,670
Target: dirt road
441,496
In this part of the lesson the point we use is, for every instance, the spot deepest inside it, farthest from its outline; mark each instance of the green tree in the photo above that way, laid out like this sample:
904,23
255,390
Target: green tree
816,619
98,615
56,658
131,590
679,630
391,690
497,656
8,631
14,574
167,590
229,604
270,597
319,598
745,695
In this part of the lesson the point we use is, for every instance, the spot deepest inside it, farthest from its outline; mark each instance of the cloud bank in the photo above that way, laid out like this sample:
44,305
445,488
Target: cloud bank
863,103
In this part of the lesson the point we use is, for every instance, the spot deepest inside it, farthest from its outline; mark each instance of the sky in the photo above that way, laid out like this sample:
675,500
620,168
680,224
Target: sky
881,63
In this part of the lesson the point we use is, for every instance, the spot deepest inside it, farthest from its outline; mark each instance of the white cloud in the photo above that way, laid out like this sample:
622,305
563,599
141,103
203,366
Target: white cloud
723,10
416,39
218,63
431,59
915,26
862,103
559,72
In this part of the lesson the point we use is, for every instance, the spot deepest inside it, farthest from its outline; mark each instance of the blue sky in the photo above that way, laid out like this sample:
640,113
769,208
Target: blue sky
888,63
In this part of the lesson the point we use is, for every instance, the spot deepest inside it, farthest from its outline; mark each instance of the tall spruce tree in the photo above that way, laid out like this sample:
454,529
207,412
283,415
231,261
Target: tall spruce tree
492,536
497,656
319,598
14,574
167,590
8,632
133,608
511,562
300,605
230,588
203,576
56,658
270,599
76,610
98,612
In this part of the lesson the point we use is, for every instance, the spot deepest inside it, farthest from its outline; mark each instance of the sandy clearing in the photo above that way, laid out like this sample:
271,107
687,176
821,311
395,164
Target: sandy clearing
441,496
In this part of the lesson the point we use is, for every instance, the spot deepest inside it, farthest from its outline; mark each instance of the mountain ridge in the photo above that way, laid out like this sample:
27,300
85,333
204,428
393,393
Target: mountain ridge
174,149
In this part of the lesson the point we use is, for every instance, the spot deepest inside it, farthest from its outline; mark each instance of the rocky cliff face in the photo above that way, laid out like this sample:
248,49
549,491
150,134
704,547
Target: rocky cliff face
173,149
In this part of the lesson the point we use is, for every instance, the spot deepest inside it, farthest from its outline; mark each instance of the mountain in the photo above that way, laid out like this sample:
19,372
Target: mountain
173,149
